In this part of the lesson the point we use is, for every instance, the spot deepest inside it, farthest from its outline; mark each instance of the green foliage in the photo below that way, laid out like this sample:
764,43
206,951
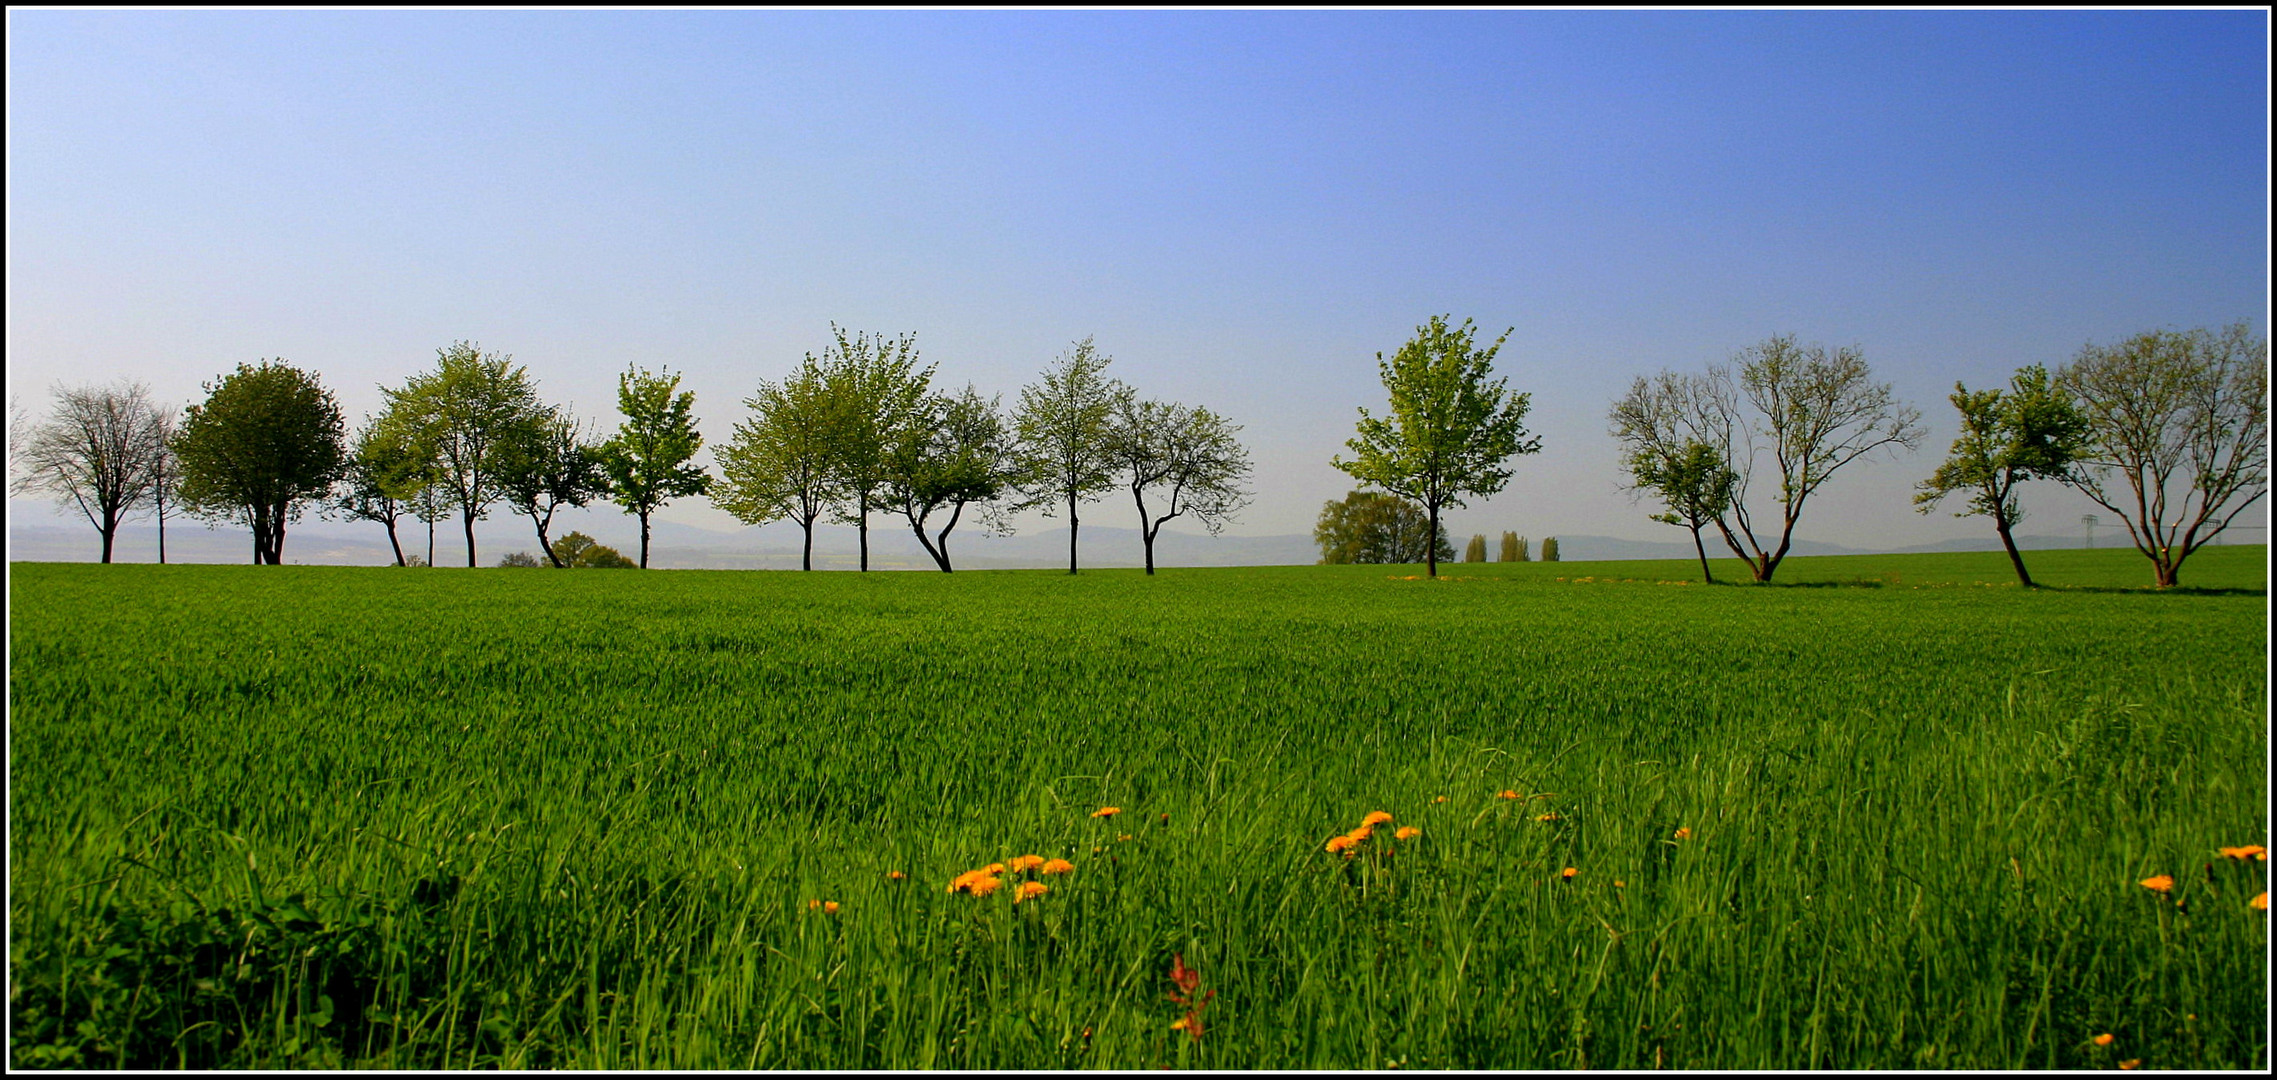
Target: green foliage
1064,424
547,464
266,440
330,817
649,461
957,452
458,416
1513,549
1450,428
578,551
1372,527
2182,419
381,476
1549,549
518,560
2030,432
1187,456
782,461
1475,551
876,391
1522,551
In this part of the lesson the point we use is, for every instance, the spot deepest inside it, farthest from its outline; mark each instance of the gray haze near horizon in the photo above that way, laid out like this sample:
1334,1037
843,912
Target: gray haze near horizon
1243,208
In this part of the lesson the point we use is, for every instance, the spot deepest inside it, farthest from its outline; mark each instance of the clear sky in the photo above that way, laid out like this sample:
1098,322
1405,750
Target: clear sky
1242,207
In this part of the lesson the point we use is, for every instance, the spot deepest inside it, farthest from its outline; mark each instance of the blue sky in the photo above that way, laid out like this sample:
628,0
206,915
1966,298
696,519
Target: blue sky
1242,207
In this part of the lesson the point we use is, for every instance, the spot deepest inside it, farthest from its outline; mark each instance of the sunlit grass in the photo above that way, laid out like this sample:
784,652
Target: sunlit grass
299,816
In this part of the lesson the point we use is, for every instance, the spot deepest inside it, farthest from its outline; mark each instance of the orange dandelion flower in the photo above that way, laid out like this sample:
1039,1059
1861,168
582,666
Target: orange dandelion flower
2247,852
2259,903
1166,819
1547,817
2161,883
1057,866
1107,811
1020,863
1029,890
2130,1063
895,875
1619,884
984,886
1375,817
813,904
1507,795
1362,833
1568,873
2103,1039
1684,834
1340,843
1407,832
1440,799
1123,838
830,907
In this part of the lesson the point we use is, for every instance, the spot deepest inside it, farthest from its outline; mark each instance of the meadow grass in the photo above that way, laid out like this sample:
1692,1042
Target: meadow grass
315,816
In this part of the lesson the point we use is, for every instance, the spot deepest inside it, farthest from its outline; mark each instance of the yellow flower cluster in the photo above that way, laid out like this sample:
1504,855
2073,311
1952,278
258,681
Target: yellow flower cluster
988,879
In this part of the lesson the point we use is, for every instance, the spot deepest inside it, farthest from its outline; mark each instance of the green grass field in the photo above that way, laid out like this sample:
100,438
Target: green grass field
312,816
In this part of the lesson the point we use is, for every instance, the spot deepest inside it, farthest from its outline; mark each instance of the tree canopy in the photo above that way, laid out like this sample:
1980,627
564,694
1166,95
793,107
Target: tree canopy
458,414
267,438
2031,431
1372,527
648,462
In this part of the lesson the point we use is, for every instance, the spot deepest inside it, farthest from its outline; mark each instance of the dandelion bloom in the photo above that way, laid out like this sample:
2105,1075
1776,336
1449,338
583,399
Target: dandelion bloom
2103,1039
1375,817
1440,799
1684,834
1021,863
2130,1063
813,904
1029,890
1362,833
1552,816
1340,843
1507,795
1568,873
1407,832
1057,866
2161,883
1122,838
984,886
2247,852
830,907
1619,884
2259,903
895,875
1107,811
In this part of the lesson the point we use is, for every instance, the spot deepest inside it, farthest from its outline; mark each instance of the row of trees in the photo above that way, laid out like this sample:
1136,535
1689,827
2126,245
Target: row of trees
857,431
2167,430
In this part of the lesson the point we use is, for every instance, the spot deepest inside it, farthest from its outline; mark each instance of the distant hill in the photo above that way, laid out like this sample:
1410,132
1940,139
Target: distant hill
776,545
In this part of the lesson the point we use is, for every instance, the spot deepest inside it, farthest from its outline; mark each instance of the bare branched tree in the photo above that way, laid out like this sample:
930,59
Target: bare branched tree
1812,411
2182,418
98,451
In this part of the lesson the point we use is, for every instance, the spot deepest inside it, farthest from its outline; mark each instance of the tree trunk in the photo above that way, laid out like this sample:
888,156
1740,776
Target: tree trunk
430,538
917,525
391,543
1149,537
2000,525
1431,544
110,530
1706,578
467,516
162,521
544,544
644,539
862,528
806,554
941,541
1071,525
277,539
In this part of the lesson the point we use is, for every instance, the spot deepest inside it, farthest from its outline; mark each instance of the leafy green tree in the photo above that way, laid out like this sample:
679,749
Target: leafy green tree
1475,551
957,452
2183,419
1694,483
1450,428
546,465
649,461
1549,549
578,551
266,439
1522,551
460,413
1510,547
380,477
1372,527
1188,456
1813,411
876,389
1065,423
102,451
521,559
781,463
2031,431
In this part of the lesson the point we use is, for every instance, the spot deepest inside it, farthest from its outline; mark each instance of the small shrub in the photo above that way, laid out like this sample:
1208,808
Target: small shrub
519,558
